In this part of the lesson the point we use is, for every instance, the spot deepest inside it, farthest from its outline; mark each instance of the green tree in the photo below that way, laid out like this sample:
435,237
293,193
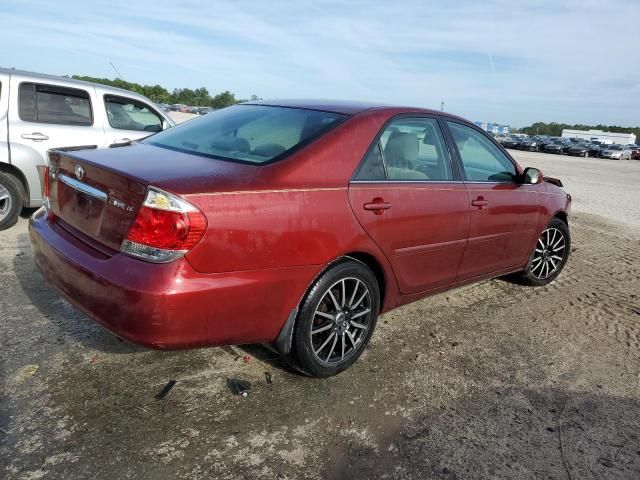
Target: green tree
199,97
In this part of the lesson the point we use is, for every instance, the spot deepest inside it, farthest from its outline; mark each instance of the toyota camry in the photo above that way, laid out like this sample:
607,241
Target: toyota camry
293,223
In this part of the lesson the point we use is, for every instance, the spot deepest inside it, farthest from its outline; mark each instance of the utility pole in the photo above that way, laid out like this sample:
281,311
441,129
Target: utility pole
442,106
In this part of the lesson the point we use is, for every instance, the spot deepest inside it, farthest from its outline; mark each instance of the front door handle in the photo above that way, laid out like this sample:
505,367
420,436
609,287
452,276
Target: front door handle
377,206
35,136
479,202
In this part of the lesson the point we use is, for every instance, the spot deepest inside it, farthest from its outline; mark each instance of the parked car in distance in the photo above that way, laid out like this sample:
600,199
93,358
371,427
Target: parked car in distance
543,141
616,152
529,144
512,142
39,112
557,146
579,150
635,151
256,223
595,149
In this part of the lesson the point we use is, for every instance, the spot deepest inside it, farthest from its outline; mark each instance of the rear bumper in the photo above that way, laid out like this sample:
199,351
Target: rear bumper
166,306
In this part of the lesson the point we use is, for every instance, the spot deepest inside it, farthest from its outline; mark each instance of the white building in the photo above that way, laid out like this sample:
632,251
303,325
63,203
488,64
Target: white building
600,136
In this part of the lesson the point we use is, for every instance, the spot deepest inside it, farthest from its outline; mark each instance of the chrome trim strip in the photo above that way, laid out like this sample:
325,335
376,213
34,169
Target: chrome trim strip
406,181
83,187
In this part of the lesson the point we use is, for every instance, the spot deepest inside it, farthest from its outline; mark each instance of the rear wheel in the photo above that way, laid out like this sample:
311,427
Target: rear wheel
10,201
336,320
549,255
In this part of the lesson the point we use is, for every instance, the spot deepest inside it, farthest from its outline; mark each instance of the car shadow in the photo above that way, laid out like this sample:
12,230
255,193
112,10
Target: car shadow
506,433
27,212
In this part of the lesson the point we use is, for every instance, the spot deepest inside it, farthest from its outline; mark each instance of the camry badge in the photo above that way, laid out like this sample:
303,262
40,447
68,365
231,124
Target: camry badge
79,172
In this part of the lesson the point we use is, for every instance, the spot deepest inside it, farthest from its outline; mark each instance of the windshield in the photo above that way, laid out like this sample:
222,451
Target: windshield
247,133
614,147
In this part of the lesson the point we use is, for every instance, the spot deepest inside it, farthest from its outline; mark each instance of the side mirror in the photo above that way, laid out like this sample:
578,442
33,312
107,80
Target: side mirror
532,176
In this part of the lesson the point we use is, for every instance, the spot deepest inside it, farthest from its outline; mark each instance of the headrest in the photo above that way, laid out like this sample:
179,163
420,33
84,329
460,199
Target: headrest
401,148
231,144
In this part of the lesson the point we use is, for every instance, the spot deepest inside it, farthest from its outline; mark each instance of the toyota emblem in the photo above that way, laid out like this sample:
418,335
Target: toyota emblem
79,172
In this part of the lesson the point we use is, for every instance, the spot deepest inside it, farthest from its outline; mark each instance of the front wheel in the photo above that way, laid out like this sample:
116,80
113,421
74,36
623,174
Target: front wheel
336,319
549,255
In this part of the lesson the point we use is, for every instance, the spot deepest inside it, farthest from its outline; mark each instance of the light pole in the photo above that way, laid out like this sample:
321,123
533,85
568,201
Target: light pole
442,106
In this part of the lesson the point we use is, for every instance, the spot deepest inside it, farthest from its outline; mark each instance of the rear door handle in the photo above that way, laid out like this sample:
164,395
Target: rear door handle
479,202
377,206
35,136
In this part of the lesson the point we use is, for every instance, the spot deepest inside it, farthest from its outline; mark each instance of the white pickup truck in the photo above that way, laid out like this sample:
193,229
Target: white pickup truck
40,112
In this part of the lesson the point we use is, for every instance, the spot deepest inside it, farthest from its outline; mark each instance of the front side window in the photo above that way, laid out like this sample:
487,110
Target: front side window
411,149
127,114
482,160
247,133
52,104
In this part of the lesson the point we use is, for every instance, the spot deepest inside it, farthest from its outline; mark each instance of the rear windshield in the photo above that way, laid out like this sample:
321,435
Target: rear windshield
247,133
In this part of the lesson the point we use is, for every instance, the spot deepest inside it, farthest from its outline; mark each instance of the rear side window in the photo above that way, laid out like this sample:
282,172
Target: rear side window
412,149
482,160
254,134
52,104
127,114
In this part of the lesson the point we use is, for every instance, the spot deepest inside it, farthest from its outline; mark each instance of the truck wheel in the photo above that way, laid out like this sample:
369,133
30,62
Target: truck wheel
10,201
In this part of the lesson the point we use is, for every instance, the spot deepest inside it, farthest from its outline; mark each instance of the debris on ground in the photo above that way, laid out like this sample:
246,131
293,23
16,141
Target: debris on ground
26,373
239,387
247,358
268,377
165,390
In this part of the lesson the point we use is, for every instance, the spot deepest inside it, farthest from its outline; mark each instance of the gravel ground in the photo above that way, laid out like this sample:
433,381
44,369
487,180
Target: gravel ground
495,380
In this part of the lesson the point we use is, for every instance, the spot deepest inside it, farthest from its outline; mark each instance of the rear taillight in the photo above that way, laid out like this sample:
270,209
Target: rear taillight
47,187
166,228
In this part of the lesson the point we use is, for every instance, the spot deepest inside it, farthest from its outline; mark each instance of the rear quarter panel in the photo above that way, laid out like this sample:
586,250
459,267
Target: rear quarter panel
296,212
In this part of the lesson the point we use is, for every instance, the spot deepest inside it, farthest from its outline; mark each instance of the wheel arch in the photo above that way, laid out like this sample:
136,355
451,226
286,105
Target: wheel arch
562,215
15,172
282,343
377,269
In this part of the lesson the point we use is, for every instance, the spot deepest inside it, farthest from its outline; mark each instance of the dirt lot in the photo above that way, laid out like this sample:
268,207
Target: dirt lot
490,381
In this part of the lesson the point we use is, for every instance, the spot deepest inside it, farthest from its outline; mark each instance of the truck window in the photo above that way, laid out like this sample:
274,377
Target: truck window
52,104
127,114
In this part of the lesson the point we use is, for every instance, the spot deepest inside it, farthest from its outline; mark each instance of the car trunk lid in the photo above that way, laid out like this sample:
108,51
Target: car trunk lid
98,202
99,192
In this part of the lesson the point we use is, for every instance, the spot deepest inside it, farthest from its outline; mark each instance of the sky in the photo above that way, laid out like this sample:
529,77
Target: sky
512,62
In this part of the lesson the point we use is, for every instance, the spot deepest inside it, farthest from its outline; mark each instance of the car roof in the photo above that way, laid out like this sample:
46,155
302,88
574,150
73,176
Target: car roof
68,80
346,107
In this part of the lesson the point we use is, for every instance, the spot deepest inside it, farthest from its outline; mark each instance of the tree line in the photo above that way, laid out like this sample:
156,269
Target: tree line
199,97
555,129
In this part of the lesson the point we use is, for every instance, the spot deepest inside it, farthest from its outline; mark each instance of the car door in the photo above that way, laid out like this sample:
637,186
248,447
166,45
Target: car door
43,116
130,119
504,212
408,198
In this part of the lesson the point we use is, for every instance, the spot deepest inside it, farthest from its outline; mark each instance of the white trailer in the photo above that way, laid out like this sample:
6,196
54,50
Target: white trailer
601,136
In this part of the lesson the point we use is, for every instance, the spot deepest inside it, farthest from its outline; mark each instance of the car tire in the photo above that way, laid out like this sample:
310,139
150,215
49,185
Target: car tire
11,200
336,319
549,255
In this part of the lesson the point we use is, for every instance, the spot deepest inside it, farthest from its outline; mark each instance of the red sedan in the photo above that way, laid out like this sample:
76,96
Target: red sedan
293,223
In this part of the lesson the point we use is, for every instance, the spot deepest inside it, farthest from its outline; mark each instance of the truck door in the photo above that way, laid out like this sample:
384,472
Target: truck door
50,115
